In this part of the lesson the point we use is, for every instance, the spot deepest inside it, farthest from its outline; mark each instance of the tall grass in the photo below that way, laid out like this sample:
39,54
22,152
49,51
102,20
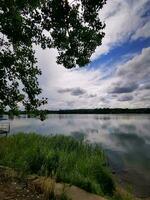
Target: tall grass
61,157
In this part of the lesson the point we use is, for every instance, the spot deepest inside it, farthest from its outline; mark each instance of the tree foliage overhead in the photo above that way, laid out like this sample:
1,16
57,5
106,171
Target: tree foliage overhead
72,27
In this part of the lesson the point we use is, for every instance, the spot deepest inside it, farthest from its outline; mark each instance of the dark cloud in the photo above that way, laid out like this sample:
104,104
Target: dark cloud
104,99
124,89
125,98
73,91
114,95
77,91
137,68
92,95
64,90
145,86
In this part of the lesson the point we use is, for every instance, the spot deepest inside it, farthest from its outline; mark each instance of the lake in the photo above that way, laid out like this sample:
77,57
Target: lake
125,139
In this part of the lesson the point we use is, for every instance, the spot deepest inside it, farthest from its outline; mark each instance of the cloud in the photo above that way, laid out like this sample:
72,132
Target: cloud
125,98
92,95
78,92
124,20
145,86
132,76
142,32
73,91
136,69
64,90
124,89
106,85
64,87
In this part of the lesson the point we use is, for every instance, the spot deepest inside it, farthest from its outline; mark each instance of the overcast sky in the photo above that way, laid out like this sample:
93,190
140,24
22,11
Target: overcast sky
119,73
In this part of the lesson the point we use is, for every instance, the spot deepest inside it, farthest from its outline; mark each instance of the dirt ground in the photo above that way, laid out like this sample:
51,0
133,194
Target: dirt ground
37,188
13,187
13,190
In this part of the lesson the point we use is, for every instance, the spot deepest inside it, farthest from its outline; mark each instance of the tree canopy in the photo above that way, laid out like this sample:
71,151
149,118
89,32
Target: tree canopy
72,27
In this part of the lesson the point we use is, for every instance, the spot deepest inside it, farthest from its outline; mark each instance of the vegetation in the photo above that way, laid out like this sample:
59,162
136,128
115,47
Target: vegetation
60,157
102,111
73,28
86,111
121,194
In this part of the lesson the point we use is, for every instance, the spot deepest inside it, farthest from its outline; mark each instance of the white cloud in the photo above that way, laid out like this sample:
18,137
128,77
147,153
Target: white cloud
130,76
142,32
123,19
136,69
84,88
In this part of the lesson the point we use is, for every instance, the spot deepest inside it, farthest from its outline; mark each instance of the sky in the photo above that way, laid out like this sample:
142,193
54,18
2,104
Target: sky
119,72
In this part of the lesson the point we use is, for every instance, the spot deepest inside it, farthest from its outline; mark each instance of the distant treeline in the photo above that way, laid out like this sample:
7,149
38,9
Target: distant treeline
101,111
86,111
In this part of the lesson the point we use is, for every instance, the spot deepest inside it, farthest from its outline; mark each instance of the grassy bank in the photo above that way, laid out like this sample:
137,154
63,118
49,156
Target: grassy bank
63,158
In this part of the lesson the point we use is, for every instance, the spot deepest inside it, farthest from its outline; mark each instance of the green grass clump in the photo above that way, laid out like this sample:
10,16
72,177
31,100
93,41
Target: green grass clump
121,194
63,157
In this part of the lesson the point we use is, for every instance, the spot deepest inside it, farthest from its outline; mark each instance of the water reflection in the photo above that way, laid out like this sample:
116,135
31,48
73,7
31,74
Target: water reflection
125,138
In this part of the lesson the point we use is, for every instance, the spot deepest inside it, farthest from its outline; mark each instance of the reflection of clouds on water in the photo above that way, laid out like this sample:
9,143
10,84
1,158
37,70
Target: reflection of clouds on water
124,137
135,161
94,126
102,129
78,135
120,133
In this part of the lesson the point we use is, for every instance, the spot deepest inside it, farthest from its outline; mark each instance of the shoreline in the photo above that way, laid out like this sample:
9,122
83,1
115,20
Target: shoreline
62,158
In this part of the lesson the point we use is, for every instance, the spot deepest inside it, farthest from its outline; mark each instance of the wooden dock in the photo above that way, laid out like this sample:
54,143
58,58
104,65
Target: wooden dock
4,128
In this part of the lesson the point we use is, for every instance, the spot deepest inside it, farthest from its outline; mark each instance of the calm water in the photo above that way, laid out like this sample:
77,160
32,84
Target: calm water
125,139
